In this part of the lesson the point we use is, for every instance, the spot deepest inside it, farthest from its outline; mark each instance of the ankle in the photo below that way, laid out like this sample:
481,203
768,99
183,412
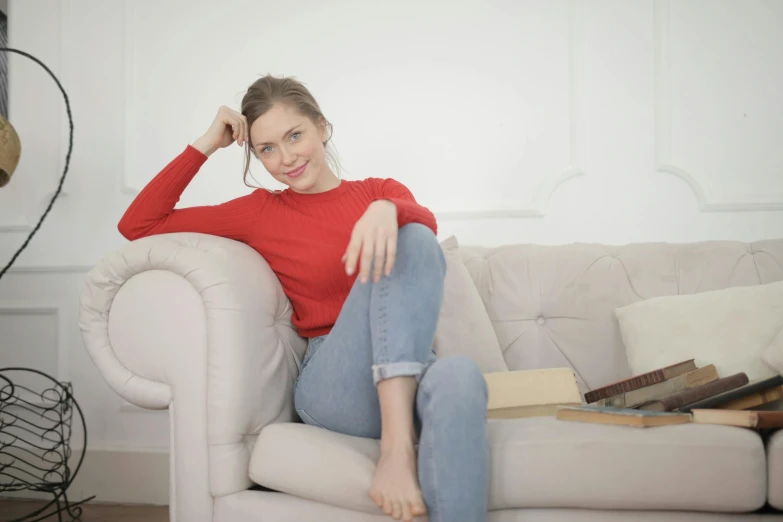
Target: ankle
398,443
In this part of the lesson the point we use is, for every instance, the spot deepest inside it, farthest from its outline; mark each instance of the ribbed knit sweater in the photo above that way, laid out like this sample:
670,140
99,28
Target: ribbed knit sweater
302,236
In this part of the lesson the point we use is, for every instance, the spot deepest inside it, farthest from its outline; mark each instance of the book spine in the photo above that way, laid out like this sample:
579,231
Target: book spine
769,419
631,384
704,391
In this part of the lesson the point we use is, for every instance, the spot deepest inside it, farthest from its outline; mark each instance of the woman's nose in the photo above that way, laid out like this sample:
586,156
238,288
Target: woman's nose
288,156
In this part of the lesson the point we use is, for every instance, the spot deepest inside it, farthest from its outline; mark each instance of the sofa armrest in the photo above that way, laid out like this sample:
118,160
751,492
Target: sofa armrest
198,324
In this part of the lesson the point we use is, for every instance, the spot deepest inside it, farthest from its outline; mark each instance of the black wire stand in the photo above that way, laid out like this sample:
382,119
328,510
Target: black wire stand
67,156
35,437
36,426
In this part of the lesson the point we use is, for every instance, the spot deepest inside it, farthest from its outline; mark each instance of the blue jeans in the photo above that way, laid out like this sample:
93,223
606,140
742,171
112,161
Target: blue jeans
384,330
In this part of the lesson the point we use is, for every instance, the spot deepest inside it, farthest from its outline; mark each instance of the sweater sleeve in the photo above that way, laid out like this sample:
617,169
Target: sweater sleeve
408,210
152,211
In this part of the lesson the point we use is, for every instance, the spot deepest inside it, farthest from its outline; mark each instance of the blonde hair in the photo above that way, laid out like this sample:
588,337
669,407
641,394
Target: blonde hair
265,92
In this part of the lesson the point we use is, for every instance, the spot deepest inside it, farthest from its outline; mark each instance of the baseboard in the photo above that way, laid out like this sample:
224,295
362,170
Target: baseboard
117,476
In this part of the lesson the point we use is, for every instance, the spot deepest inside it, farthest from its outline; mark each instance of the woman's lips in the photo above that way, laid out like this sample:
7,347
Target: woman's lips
296,172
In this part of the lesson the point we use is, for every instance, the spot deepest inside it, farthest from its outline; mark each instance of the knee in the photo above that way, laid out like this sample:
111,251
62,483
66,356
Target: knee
419,241
459,381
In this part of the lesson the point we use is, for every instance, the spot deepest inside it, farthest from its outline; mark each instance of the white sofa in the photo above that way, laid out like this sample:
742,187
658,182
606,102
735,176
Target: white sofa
200,325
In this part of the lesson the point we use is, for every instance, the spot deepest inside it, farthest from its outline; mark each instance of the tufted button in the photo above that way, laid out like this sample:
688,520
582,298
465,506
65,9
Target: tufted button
540,320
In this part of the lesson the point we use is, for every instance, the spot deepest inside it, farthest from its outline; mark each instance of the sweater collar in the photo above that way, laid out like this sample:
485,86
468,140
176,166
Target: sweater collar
336,192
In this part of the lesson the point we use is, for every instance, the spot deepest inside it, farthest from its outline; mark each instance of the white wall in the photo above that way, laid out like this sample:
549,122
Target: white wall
540,121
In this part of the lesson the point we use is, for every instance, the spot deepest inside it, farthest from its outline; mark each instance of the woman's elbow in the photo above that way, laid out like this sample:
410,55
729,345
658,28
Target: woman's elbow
130,230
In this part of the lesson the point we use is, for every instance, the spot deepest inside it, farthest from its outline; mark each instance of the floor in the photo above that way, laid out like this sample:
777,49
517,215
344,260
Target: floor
15,509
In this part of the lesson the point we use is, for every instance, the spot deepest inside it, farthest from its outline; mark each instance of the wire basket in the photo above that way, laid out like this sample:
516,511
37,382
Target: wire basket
36,417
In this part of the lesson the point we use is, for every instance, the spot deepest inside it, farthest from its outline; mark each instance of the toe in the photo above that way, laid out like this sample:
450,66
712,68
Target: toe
407,516
396,510
387,505
418,508
377,498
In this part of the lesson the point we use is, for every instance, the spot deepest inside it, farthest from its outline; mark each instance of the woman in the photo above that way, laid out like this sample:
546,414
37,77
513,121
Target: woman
361,264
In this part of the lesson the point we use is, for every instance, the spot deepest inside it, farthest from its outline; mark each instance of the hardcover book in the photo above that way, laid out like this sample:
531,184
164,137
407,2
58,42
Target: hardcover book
640,381
621,416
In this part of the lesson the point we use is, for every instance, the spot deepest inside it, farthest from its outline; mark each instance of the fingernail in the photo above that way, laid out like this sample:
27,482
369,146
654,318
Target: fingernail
349,271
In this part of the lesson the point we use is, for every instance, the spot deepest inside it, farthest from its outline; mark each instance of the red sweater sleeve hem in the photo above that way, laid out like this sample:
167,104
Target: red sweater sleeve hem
408,209
411,212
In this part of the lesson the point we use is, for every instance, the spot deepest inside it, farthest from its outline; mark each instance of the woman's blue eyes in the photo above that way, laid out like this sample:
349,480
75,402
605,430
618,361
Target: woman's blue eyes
294,137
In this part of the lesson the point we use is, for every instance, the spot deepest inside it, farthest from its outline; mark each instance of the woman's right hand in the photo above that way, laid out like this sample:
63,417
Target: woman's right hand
229,126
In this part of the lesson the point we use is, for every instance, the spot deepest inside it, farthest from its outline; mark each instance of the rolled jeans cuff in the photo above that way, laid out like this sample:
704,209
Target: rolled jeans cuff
397,369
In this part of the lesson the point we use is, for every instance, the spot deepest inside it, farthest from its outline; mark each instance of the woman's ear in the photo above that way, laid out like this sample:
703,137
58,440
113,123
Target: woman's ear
323,127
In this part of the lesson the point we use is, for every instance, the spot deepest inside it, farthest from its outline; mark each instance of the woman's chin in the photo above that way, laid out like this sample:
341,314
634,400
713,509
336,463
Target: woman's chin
303,184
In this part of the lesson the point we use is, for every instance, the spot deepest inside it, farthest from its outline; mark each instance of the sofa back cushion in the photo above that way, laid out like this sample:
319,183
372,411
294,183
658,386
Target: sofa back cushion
554,305
464,328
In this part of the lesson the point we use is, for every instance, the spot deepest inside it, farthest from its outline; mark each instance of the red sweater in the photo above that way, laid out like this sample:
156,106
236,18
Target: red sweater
302,236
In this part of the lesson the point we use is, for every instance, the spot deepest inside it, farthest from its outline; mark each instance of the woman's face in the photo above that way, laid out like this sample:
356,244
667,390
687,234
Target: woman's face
291,148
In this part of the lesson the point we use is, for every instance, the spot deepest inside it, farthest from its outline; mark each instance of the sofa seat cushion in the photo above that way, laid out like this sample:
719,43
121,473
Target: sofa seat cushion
775,466
543,463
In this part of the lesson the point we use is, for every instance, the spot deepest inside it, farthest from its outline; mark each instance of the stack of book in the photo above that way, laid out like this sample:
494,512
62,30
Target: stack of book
682,393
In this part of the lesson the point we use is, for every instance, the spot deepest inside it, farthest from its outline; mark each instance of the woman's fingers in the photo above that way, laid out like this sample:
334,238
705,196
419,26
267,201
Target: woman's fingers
373,251
381,244
391,253
352,254
368,249
243,130
238,123
240,132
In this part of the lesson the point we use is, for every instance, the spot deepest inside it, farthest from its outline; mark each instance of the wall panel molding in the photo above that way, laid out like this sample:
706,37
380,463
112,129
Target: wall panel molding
535,208
15,228
708,201
126,187
13,308
23,223
576,70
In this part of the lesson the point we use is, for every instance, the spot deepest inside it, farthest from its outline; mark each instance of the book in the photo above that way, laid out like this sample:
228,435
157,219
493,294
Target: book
704,391
621,416
639,381
776,405
742,418
530,393
717,401
662,389
755,399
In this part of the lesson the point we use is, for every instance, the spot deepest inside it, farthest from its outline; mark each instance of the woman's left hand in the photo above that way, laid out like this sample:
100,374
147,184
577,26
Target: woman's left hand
374,238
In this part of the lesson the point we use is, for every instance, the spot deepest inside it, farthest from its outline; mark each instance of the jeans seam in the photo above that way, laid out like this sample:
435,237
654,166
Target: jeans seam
307,360
383,293
431,455
302,413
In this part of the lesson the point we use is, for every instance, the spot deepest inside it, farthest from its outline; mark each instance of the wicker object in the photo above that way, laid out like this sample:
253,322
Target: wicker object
10,151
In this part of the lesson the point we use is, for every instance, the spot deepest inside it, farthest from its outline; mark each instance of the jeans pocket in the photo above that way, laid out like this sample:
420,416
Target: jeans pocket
307,419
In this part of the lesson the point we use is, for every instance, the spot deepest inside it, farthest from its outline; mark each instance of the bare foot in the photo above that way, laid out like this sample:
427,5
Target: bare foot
395,487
